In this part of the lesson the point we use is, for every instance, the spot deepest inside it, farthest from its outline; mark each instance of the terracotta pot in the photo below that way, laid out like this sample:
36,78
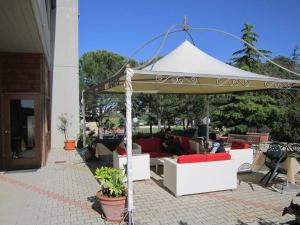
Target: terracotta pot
69,145
113,207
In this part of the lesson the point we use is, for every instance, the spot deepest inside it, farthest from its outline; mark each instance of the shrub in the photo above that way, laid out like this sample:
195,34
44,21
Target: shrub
111,180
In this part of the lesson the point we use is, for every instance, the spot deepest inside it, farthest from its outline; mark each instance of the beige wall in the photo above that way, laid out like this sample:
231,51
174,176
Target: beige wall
65,91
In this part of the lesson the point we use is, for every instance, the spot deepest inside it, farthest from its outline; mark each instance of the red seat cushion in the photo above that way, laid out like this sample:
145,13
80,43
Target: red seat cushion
191,158
218,157
239,145
203,158
121,151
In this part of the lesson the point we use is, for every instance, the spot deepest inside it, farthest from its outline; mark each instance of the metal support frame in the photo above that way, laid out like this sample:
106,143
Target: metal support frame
207,119
128,94
83,119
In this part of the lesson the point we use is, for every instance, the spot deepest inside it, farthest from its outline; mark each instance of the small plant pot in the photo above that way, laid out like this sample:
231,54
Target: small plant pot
69,145
113,207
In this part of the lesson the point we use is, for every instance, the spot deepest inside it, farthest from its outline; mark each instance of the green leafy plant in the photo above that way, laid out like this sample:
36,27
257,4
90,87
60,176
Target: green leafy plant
64,123
90,138
111,180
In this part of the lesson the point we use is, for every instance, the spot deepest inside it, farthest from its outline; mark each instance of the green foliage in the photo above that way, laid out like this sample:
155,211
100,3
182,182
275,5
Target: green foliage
247,58
98,66
94,68
121,122
287,128
111,180
272,70
192,107
166,108
239,112
90,138
273,110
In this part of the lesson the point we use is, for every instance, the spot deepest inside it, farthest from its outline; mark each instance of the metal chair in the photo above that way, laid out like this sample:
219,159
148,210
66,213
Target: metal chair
275,155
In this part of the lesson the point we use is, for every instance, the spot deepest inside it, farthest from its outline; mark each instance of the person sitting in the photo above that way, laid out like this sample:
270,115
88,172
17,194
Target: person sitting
217,145
170,145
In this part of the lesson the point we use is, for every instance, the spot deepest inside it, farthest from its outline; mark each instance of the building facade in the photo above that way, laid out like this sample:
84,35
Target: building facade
38,78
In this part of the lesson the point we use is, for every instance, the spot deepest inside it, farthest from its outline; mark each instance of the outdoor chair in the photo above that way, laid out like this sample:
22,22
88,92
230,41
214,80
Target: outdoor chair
275,155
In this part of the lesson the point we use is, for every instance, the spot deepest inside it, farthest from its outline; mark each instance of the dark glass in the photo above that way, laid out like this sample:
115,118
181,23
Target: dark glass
22,126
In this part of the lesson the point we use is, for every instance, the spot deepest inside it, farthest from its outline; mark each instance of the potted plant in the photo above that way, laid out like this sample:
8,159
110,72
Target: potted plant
64,123
112,195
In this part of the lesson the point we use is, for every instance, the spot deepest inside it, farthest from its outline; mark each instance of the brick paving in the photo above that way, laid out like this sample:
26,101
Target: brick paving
63,192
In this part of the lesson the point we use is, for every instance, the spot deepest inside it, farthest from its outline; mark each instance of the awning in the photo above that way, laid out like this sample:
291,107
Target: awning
189,70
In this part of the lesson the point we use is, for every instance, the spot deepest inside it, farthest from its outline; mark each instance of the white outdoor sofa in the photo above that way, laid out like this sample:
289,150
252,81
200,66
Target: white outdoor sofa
199,177
140,163
243,158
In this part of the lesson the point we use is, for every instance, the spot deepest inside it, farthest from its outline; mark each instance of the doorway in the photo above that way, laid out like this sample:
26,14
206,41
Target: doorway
20,131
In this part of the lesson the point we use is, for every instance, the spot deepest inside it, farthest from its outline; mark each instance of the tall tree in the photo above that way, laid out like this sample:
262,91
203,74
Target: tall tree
145,105
94,68
287,128
272,70
247,58
193,109
296,54
296,58
238,112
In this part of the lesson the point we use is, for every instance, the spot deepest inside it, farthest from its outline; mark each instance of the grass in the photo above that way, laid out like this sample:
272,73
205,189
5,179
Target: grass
146,130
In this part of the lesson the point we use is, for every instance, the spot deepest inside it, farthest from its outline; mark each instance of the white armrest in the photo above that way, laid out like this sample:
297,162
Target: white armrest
170,175
242,156
136,149
140,165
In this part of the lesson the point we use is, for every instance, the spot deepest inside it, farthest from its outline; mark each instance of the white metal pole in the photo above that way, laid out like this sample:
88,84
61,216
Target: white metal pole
128,93
83,119
207,119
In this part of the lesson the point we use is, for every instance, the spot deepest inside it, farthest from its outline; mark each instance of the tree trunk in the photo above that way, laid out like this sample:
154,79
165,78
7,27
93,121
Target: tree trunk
100,131
151,128
159,123
196,132
183,123
188,123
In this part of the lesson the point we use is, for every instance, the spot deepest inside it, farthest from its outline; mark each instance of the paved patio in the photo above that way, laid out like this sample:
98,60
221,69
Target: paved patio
63,193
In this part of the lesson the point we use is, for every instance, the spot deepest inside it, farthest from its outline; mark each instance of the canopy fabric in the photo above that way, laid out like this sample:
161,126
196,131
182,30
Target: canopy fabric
189,70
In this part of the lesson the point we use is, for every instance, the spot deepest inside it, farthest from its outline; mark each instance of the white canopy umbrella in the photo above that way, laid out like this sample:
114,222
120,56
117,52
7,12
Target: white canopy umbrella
189,70
186,70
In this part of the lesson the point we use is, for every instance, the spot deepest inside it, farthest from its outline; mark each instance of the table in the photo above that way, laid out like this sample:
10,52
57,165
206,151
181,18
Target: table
291,165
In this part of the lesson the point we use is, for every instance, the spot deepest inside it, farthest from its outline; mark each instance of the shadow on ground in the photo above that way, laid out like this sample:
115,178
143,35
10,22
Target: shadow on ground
252,179
266,222
92,162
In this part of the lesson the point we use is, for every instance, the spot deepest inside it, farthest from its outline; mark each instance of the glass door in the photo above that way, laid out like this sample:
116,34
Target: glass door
21,131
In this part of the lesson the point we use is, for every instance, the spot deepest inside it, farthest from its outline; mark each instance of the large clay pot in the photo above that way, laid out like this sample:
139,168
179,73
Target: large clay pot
113,207
69,145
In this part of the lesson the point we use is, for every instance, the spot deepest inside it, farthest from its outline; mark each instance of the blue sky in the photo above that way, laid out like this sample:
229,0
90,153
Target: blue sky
123,26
